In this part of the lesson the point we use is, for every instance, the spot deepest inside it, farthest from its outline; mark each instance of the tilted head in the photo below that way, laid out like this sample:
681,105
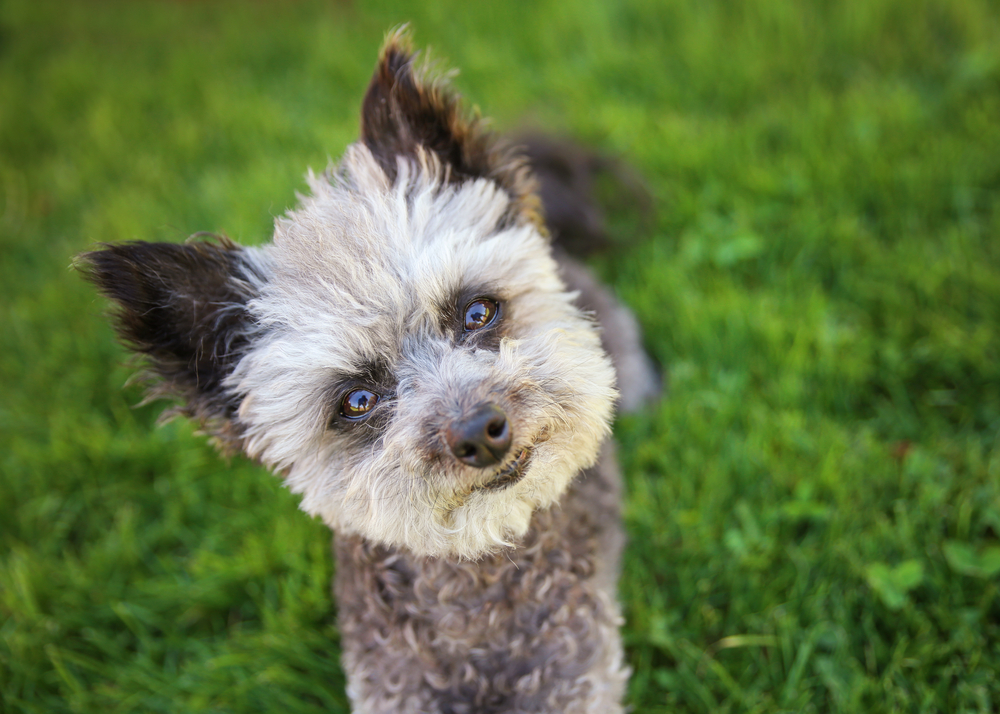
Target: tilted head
403,353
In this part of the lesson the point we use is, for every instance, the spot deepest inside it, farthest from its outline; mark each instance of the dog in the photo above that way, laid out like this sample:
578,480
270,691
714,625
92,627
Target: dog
416,359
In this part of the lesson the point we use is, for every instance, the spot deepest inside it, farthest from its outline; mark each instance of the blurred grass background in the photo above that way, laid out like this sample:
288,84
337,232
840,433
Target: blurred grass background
814,514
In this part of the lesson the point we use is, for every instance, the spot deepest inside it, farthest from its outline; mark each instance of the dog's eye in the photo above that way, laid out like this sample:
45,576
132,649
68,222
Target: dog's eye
480,313
357,403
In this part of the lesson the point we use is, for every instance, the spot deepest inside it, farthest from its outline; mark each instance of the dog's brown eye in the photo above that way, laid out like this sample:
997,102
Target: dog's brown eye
480,313
357,403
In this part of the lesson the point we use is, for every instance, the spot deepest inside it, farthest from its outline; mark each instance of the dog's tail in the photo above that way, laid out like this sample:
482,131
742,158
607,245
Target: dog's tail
589,199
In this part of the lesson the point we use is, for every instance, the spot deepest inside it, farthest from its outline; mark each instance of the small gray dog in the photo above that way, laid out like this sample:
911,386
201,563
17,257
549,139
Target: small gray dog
412,359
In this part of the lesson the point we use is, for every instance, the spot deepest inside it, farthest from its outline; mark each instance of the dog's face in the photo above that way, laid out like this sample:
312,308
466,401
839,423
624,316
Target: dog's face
403,352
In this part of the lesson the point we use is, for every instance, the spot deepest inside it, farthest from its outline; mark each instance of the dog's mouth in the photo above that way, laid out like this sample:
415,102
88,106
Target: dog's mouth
511,473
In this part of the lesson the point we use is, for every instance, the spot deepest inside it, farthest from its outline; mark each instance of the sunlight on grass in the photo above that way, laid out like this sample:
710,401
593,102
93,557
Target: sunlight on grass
814,513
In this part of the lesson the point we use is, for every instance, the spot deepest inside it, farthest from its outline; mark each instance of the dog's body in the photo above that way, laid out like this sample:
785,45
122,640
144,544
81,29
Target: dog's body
529,629
407,356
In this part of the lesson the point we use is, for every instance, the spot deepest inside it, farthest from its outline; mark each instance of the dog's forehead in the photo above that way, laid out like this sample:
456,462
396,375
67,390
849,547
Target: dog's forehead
369,262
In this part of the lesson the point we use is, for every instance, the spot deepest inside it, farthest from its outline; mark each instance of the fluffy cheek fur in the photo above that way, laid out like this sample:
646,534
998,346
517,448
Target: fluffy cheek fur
559,409
402,487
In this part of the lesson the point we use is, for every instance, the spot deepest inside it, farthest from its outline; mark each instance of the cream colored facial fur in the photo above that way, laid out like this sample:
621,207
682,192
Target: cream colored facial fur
362,273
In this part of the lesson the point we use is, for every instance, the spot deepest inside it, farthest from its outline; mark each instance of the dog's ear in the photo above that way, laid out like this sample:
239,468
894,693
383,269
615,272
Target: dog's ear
405,109
183,308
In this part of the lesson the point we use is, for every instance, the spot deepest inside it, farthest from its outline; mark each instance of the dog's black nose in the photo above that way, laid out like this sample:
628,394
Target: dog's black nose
482,438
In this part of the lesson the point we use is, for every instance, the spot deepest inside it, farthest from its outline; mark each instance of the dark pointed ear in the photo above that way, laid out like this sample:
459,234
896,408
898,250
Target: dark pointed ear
183,308
405,109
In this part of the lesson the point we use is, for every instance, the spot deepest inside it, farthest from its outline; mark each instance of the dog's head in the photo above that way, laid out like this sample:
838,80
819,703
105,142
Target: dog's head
403,352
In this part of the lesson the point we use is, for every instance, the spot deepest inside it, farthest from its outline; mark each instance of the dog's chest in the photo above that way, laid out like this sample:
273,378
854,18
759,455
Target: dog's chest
517,631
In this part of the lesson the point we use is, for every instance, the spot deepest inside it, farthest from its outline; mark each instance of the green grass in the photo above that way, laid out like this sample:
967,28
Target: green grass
814,513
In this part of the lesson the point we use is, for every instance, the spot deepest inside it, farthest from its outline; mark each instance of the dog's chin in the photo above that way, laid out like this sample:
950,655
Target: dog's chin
485,516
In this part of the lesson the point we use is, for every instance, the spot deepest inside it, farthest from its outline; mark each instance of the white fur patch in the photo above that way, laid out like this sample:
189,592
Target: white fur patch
362,272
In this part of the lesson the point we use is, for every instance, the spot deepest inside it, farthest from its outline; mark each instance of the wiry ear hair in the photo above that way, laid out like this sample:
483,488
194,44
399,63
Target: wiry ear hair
406,110
182,307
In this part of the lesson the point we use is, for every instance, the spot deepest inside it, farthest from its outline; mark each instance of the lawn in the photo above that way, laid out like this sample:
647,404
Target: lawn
813,513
